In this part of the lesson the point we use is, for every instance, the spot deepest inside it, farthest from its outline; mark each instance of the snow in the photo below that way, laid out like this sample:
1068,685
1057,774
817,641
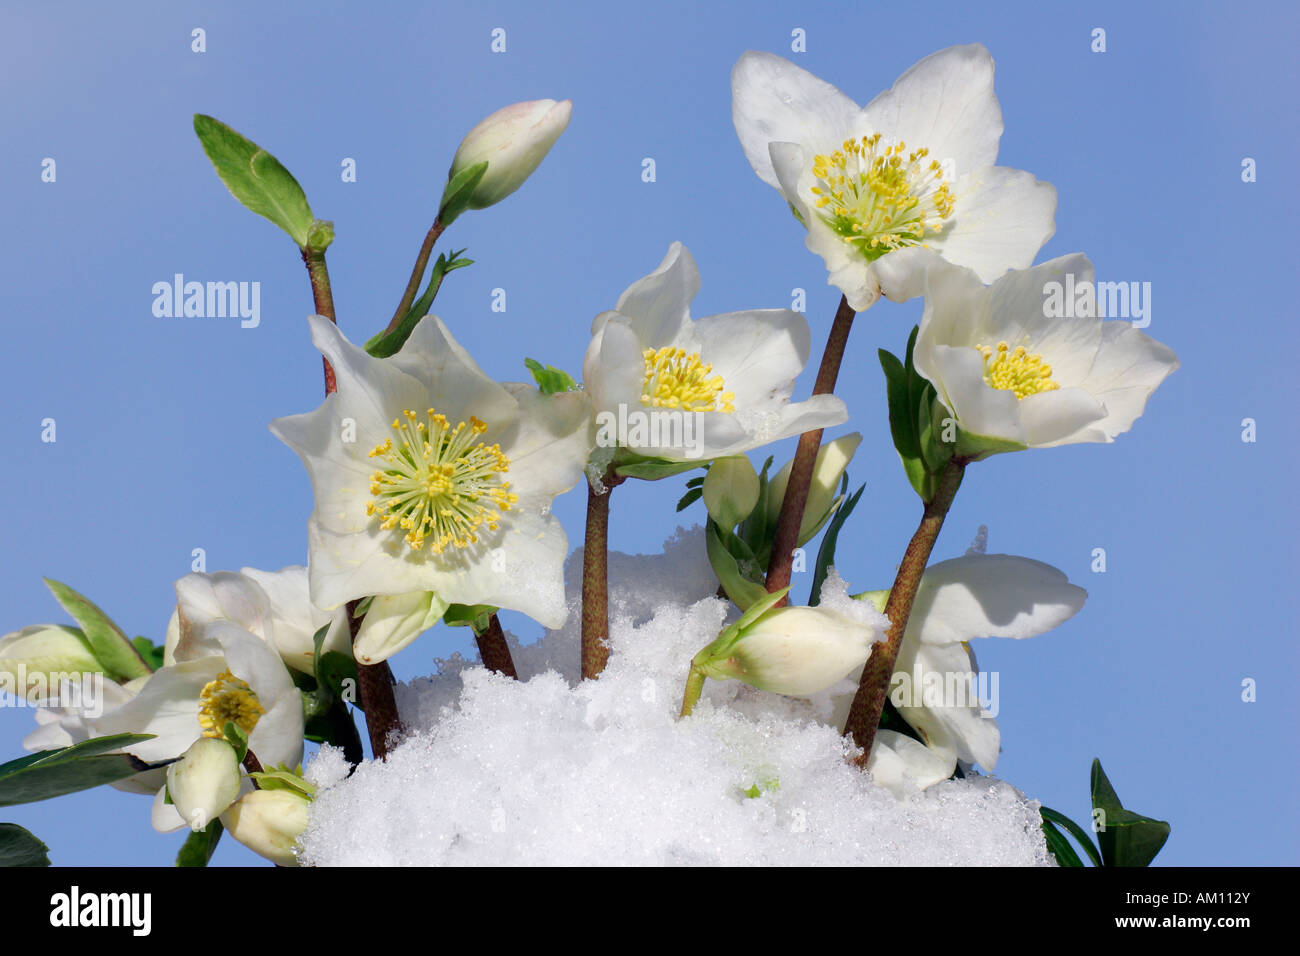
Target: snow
553,771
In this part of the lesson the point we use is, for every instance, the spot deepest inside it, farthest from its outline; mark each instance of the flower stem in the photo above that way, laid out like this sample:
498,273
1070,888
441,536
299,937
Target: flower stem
417,273
595,577
323,297
694,687
375,694
864,715
494,650
805,458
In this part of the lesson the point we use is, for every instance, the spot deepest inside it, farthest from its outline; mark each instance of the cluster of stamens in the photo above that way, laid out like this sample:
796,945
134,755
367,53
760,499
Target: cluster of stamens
227,699
879,199
437,483
675,378
1016,370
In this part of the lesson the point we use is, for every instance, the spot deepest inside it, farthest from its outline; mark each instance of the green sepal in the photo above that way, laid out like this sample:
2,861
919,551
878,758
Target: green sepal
20,847
1076,831
459,191
826,553
385,343
977,447
743,591
469,615
549,378
237,739
917,433
1059,846
199,846
630,465
1127,838
320,235
256,178
282,778
52,773
111,647
722,645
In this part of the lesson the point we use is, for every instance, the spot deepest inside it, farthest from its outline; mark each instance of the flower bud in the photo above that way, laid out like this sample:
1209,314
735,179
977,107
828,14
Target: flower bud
269,823
204,782
36,659
512,141
832,459
791,650
730,490
393,621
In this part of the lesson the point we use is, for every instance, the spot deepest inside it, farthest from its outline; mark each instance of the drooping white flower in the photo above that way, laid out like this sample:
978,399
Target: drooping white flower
431,477
1018,366
899,764
935,687
513,141
885,188
832,459
666,386
273,605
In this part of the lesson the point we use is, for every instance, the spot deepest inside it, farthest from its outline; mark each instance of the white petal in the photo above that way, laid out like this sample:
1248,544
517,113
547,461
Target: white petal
456,386
253,661
659,304
613,371
295,620
980,408
277,738
202,599
1056,417
946,103
164,815
1128,367
166,706
758,354
774,100
394,621
901,274
991,595
935,691
548,443
1001,218
898,763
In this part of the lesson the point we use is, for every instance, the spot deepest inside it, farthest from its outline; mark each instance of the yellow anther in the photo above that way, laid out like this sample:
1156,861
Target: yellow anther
1016,370
227,699
675,378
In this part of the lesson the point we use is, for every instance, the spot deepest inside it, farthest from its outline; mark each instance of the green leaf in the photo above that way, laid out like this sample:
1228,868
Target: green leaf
237,738
385,343
19,847
1126,838
256,178
151,653
549,378
199,846
742,591
1076,831
826,553
107,642
1059,846
52,773
698,480
688,499
458,192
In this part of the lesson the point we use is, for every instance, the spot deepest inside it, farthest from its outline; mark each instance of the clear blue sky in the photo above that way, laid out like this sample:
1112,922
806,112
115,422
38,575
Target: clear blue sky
161,423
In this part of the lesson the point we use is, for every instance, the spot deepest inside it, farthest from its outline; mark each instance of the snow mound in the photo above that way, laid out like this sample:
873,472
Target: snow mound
550,771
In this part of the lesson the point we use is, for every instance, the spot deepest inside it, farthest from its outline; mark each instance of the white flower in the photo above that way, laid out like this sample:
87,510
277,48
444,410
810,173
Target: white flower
204,782
1013,374
275,606
269,823
899,764
935,687
513,141
885,188
431,477
666,386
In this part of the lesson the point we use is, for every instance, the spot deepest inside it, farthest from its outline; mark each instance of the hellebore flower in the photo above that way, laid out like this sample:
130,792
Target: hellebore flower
886,188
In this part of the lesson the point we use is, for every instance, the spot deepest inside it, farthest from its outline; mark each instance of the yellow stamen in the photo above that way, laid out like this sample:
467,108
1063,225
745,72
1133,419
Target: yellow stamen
437,484
1016,370
879,200
675,378
228,700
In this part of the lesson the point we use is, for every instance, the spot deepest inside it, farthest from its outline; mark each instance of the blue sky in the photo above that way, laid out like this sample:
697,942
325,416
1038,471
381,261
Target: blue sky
162,445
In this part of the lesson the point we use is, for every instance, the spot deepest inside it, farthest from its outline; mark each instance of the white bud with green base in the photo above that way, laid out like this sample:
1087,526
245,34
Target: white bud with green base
832,459
269,822
513,141
34,660
204,782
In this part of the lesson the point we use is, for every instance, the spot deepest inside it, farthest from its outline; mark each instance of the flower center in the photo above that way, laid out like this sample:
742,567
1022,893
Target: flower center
1015,370
675,378
879,200
228,700
438,483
